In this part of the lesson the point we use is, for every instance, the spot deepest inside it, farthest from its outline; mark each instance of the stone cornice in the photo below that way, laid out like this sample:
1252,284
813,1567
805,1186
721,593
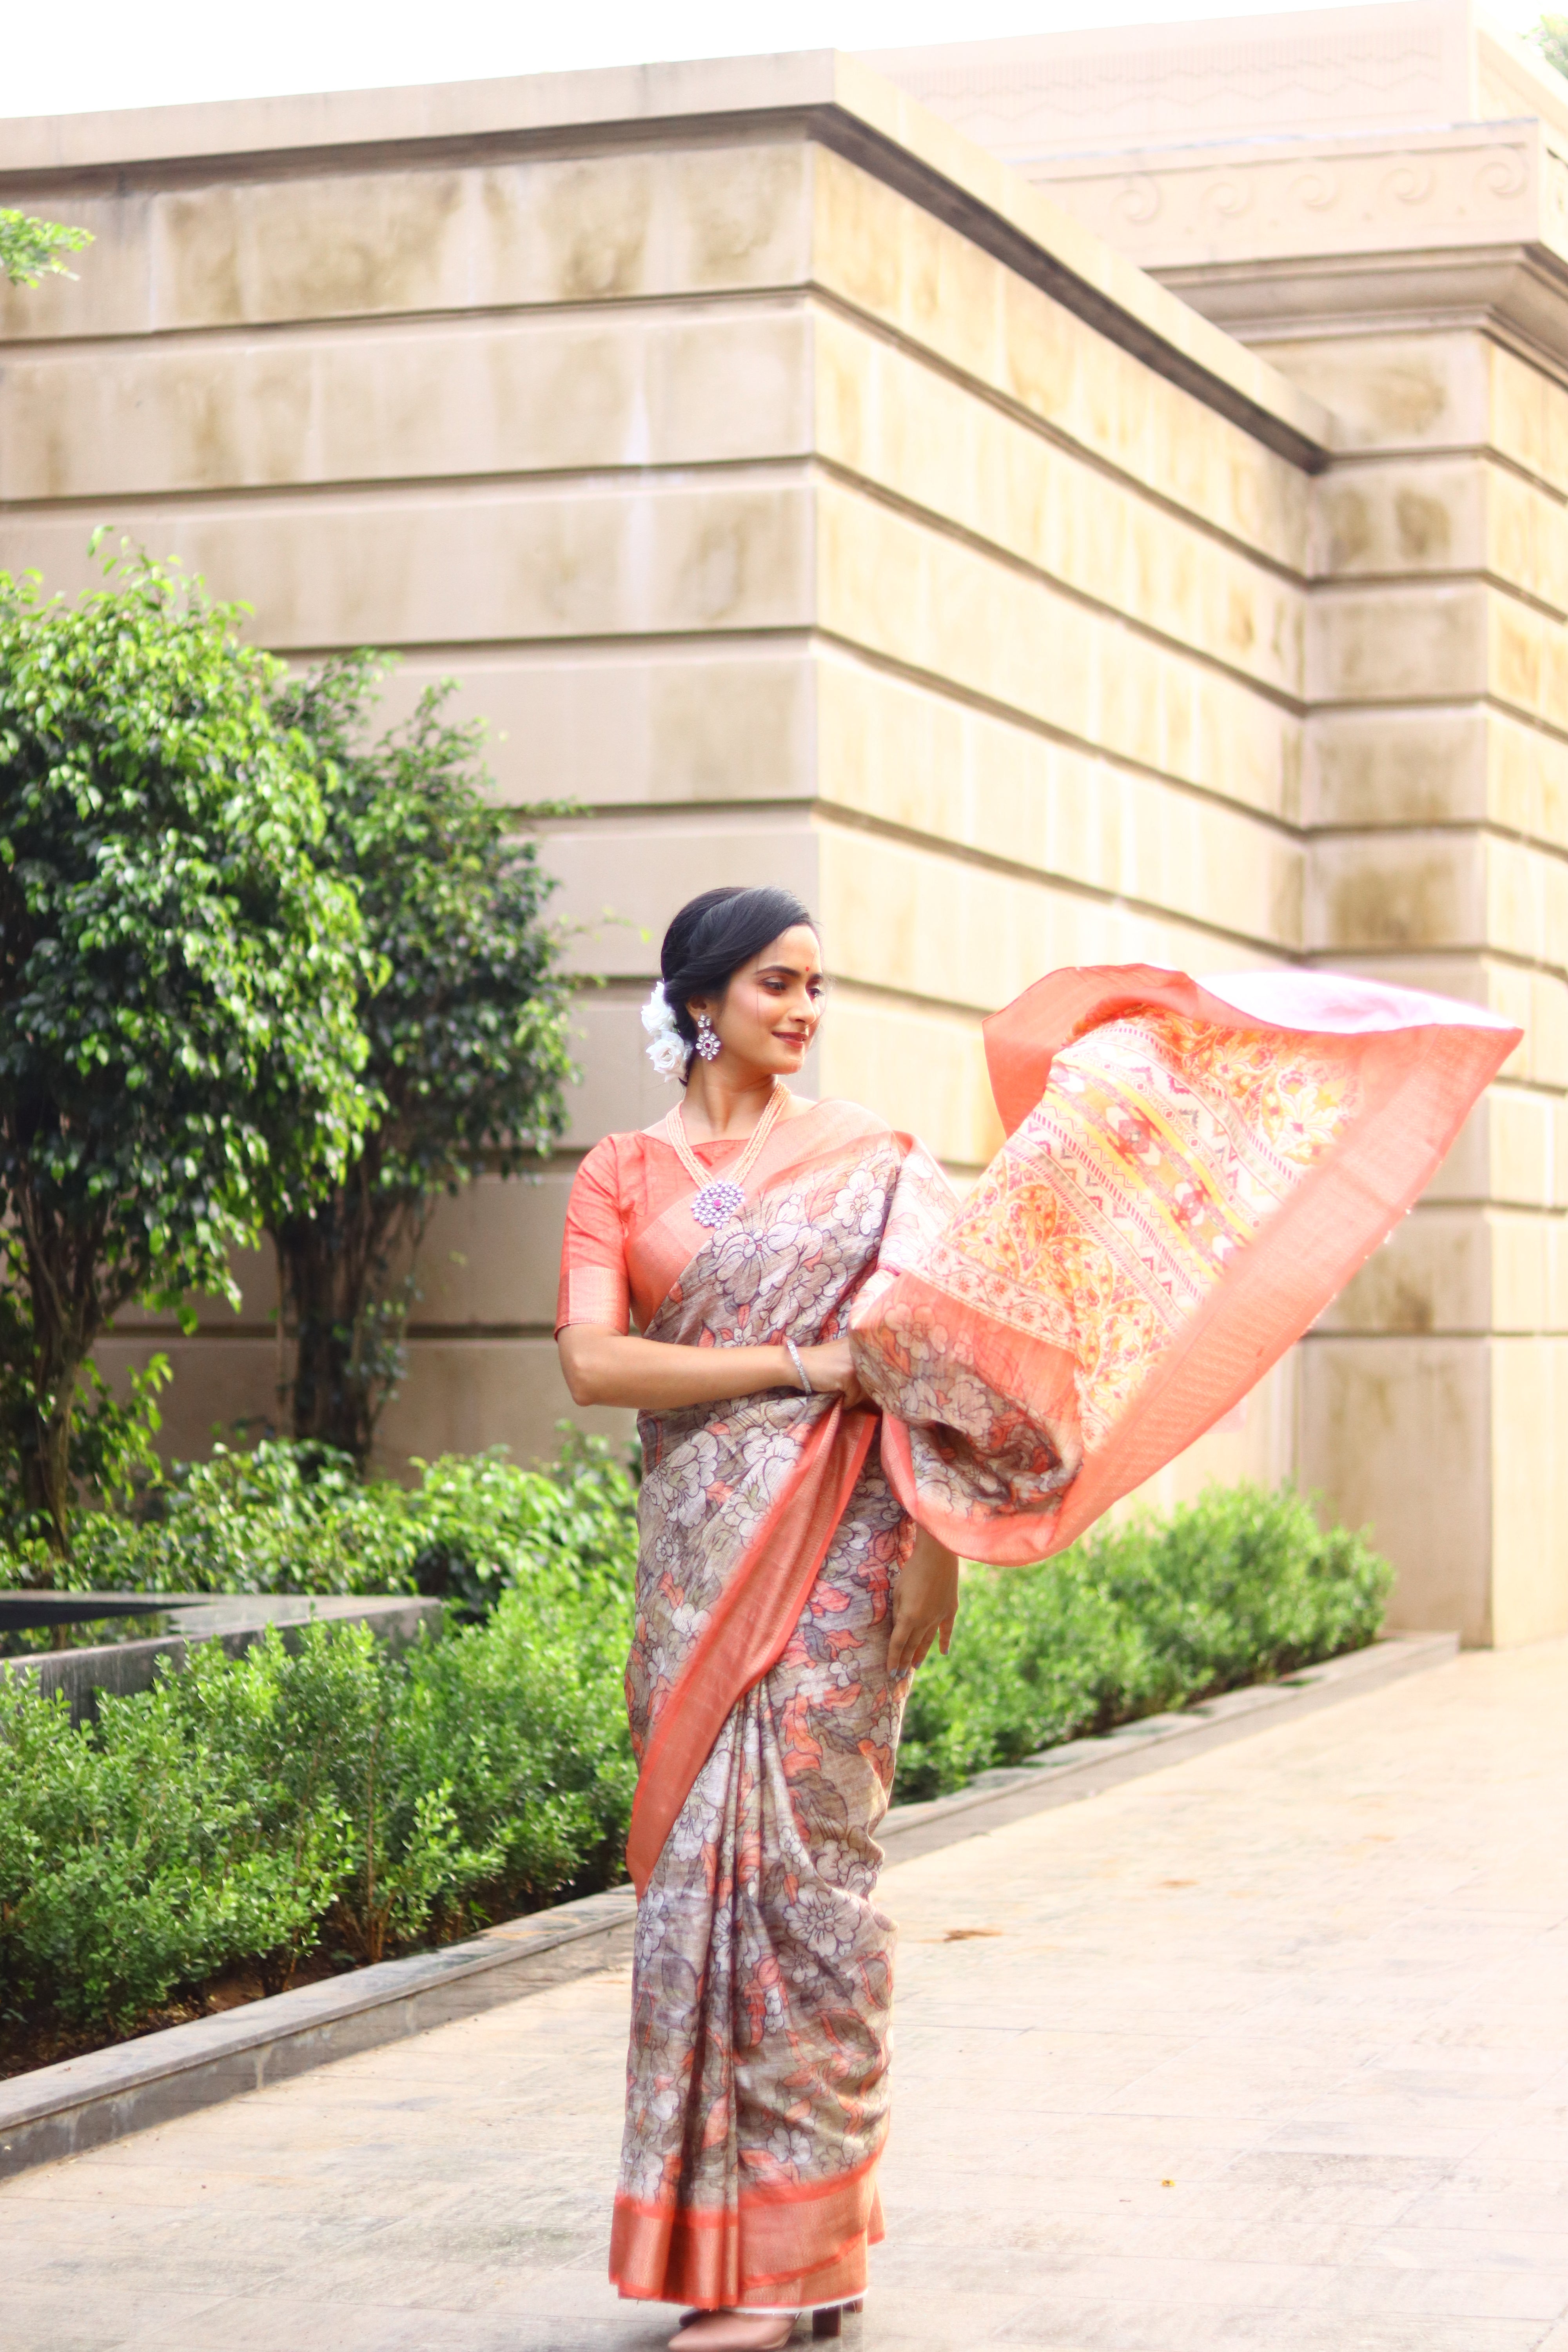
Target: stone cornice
1517,292
819,94
228,132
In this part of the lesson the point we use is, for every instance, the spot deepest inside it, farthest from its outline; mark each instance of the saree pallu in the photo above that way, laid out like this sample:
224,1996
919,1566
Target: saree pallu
1193,1170
765,1725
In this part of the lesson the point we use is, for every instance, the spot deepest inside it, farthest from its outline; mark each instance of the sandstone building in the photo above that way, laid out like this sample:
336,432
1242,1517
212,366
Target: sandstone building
1065,501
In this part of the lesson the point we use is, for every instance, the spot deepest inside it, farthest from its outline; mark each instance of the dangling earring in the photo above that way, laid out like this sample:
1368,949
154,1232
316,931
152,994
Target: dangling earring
708,1043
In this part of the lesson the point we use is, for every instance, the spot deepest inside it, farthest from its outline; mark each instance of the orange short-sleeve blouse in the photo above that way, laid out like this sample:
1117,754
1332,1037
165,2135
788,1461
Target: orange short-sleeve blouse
618,1259
621,1186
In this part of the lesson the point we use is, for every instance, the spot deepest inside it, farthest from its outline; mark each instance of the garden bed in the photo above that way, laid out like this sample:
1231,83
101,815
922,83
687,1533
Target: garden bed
254,1822
62,2110
145,1637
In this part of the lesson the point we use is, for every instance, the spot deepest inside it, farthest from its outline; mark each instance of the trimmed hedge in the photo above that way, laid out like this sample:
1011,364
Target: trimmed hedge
1240,1586
295,1518
342,1802
249,1810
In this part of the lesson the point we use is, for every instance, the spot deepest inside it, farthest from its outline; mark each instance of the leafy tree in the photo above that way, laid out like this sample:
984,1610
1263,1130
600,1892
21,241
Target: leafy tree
1550,36
465,1019
177,976
31,250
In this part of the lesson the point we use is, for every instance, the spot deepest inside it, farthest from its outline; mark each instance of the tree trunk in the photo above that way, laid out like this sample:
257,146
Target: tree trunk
50,1464
336,1284
66,1320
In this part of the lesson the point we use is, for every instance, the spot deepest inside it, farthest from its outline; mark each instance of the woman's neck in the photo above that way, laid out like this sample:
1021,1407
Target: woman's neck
720,1103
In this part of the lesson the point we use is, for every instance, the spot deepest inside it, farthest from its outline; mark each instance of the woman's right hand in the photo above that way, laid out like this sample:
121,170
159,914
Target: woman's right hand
830,1368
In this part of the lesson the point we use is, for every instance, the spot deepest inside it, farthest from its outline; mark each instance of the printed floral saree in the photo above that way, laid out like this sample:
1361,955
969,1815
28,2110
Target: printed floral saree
1191,1172
763,1718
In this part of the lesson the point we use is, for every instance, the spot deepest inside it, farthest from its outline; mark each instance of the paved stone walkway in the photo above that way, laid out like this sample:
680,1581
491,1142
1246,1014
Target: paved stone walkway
1267,2053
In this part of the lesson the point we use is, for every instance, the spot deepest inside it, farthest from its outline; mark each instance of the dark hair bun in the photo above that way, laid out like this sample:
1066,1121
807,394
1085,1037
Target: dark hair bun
714,935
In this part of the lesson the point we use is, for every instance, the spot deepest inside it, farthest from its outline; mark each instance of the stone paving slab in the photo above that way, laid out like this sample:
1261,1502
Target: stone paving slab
1267,2053
85,2103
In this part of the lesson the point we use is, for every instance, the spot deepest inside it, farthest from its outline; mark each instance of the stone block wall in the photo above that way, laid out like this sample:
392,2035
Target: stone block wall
1396,247
1436,797
808,499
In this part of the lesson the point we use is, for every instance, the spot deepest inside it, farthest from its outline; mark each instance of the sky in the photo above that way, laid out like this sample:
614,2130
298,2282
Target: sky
114,53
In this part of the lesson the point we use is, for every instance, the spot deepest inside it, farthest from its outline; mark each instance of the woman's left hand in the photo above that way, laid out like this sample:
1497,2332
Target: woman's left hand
925,1603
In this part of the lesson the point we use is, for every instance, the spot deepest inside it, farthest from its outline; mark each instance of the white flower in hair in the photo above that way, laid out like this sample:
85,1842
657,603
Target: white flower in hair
667,1049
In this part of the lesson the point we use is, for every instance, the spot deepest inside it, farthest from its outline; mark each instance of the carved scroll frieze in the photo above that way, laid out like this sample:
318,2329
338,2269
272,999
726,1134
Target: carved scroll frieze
1474,185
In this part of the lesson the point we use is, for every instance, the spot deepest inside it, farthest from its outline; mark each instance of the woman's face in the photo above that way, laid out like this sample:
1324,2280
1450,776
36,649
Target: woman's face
768,1015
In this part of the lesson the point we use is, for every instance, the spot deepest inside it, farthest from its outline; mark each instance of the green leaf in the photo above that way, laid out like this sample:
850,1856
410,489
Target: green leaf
464,1006
33,249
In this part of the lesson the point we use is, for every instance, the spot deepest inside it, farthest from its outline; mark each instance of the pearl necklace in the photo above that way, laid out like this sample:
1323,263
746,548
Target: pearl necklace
719,1198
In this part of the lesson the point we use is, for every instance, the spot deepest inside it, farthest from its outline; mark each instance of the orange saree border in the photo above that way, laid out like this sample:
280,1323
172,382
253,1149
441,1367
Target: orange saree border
1038,1375
749,1629
779,2248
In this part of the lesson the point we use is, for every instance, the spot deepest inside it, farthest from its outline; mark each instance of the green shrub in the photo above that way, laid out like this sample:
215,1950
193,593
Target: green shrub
281,1518
247,1808
1238,1586
483,1525
141,1855
521,1724
295,1518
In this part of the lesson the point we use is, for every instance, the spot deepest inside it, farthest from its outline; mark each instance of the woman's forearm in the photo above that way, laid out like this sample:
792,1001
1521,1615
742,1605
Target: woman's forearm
608,1367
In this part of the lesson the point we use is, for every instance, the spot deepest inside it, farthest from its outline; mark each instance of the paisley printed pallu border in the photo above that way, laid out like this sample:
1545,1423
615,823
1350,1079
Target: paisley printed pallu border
1193,1171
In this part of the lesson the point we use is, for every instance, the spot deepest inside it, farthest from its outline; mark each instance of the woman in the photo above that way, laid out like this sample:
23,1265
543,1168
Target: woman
784,1598
1192,1170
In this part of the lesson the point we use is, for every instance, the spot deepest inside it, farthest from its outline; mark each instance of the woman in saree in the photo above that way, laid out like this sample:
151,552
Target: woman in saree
1192,1170
784,1598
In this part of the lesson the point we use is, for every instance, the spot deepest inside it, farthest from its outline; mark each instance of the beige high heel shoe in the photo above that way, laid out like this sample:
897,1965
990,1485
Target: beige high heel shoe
709,2331
735,2331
